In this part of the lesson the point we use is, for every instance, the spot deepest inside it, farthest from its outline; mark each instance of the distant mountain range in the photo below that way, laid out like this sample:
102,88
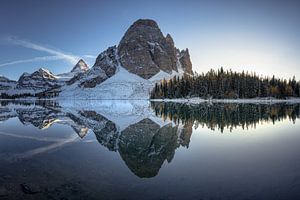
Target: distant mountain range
127,71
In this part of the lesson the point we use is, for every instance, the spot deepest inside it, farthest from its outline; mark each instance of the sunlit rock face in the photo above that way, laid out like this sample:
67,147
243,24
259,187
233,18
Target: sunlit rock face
41,79
80,67
76,73
145,51
78,70
37,116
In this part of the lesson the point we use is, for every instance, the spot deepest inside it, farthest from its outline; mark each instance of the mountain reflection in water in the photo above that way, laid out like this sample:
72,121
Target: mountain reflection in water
143,145
148,141
51,149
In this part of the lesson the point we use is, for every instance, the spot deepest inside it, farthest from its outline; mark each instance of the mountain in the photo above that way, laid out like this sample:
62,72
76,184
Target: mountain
80,68
126,71
184,61
129,70
38,80
105,66
6,84
145,51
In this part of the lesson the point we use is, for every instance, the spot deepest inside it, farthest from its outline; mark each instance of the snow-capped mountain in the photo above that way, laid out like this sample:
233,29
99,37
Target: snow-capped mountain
80,68
6,84
40,81
104,67
37,81
127,71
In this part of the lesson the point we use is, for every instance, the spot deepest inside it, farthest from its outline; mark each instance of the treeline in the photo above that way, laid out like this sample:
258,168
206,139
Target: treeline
226,84
40,95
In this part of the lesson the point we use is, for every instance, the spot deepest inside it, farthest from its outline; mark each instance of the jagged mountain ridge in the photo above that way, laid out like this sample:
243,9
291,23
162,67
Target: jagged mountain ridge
127,71
6,84
39,81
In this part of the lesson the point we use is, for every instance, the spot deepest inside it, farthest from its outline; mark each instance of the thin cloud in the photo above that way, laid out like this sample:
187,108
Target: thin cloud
89,56
68,57
43,58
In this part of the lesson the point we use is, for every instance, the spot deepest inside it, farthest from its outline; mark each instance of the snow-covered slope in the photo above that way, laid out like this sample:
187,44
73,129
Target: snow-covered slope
108,79
123,85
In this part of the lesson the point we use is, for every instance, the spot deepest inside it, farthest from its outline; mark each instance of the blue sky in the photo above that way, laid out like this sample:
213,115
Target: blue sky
260,36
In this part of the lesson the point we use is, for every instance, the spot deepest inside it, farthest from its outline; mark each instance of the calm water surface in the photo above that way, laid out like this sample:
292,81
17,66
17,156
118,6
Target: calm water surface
143,150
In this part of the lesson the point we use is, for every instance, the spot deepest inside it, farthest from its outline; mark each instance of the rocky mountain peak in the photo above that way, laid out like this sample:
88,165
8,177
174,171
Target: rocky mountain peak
81,66
144,22
185,61
170,40
41,79
145,51
44,73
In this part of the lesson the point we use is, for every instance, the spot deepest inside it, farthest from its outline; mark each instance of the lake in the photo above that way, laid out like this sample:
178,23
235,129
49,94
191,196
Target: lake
148,150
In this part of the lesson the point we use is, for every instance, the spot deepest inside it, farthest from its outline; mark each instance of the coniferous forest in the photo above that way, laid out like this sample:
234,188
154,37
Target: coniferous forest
226,84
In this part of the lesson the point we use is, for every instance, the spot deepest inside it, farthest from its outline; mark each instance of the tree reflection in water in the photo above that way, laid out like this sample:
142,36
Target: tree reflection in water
220,115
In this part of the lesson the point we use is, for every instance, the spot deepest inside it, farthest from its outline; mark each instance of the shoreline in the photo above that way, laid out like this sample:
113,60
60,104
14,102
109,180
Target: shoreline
253,101
195,100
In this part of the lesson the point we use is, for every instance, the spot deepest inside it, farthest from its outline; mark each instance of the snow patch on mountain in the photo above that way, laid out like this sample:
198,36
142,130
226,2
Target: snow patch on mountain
162,75
122,85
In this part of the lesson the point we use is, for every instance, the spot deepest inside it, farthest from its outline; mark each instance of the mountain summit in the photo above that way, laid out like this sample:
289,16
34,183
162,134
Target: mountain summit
145,51
81,66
